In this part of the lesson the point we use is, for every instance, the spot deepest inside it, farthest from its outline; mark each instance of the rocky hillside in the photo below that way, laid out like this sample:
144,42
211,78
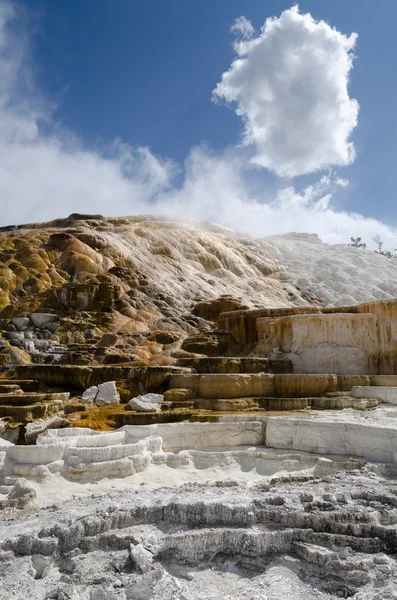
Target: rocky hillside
147,290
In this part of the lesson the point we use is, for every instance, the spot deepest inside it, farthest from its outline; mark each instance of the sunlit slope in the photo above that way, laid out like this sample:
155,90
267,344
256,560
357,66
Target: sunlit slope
161,269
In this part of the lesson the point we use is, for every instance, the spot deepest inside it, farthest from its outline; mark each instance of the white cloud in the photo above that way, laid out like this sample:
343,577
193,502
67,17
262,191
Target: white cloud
290,87
48,175
243,26
43,176
219,188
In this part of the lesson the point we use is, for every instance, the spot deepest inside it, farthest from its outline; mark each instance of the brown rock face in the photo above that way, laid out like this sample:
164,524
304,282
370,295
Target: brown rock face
58,240
108,340
150,281
165,337
213,344
299,386
85,217
211,309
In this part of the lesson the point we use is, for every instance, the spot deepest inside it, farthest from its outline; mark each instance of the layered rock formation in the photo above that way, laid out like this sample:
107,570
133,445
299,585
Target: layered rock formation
127,290
132,289
189,413
347,340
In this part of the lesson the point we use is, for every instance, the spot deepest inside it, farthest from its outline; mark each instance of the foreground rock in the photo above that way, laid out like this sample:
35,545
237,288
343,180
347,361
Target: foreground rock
318,540
198,507
102,395
146,403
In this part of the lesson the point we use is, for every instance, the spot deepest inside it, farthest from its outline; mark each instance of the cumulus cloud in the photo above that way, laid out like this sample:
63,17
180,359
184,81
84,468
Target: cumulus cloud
47,172
289,85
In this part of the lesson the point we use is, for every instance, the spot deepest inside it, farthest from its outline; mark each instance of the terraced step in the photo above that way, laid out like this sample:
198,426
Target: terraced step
332,403
383,380
9,388
152,418
386,394
32,398
259,403
27,385
239,385
225,364
23,408
82,376
24,414
178,395
179,404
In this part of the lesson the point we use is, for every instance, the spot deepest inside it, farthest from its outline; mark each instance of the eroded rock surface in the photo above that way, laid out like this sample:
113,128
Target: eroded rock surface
323,539
195,510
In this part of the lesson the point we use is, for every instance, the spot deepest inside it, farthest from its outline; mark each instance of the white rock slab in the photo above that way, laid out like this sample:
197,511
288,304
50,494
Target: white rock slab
199,436
107,394
146,403
387,394
373,442
89,395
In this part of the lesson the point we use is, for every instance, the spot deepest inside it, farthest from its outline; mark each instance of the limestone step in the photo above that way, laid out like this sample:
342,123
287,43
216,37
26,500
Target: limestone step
150,418
239,385
225,364
88,472
347,382
354,437
386,394
35,455
259,403
27,385
24,414
32,398
383,380
9,388
179,404
284,403
344,402
83,376
178,395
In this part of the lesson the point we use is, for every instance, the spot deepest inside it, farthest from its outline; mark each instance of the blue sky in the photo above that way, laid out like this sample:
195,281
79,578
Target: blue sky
143,71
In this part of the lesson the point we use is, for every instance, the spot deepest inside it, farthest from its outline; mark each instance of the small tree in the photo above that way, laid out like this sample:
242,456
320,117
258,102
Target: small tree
356,243
389,254
379,242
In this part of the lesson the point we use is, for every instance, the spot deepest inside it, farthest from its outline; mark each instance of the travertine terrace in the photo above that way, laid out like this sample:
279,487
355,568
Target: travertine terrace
357,340
188,413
